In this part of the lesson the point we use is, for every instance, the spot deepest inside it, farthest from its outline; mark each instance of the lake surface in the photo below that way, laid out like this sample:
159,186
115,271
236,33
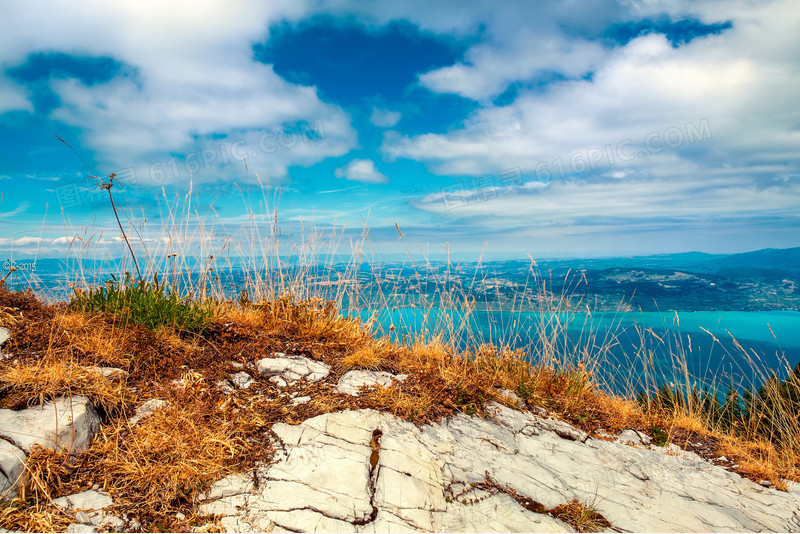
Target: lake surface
628,351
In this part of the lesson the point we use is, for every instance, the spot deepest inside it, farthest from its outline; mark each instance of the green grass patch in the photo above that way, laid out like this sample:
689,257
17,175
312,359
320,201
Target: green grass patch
149,304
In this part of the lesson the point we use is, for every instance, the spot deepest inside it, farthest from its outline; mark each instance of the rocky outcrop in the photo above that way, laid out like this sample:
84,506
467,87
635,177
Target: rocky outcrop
365,471
65,424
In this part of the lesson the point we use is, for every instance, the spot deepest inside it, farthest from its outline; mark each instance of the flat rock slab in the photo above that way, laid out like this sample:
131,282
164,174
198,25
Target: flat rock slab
63,424
366,471
352,381
88,507
284,370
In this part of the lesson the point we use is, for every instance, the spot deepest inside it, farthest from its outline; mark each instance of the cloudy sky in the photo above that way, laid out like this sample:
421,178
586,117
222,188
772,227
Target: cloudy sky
571,128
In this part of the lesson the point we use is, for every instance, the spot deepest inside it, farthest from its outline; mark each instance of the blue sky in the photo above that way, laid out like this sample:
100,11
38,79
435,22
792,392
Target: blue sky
575,128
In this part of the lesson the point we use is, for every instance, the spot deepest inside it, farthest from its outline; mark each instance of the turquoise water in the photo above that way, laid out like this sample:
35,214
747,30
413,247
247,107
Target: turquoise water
633,349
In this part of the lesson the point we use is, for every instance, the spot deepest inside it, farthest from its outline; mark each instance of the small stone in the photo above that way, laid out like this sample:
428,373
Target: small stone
112,522
721,459
85,500
12,465
562,429
225,386
352,381
179,516
112,373
4,335
285,370
242,380
765,483
300,400
146,409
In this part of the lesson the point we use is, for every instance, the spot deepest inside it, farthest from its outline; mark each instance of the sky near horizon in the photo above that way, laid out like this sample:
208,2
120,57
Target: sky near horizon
573,128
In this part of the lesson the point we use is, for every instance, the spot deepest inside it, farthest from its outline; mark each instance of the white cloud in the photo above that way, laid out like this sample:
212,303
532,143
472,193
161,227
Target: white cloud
492,67
13,98
744,90
384,118
19,210
21,241
188,82
568,203
361,170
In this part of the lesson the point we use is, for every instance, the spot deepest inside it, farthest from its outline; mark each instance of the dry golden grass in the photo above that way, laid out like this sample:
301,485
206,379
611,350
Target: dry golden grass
49,378
24,516
581,517
9,316
313,320
761,460
366,357
47,475
83,335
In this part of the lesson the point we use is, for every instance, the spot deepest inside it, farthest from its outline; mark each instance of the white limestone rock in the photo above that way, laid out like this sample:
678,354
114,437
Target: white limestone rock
88,507
80,528
634,438
334,472
91,501
352,381
241,380
225,386
111,373
65,424
284,370
12,466
4,336
146,409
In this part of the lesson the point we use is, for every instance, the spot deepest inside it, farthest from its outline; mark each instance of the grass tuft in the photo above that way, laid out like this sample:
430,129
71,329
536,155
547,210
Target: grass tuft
149,304
580,516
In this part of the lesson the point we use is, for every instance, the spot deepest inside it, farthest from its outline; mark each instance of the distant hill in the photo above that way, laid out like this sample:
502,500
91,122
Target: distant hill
768,258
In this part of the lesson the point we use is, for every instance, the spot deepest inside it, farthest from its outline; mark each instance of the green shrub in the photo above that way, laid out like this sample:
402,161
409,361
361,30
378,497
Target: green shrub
146,303
660,437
